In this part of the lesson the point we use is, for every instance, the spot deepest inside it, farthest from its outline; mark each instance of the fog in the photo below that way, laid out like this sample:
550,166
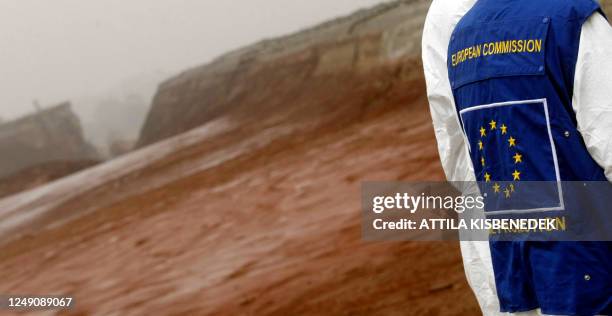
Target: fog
82,51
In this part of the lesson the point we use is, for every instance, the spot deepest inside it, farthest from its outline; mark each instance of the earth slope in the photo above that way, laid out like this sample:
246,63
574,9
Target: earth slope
256,210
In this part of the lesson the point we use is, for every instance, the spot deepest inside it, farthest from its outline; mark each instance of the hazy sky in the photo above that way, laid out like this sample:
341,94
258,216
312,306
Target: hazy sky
63,49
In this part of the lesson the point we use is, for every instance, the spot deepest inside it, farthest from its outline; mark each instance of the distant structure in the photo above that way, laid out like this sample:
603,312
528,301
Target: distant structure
48,135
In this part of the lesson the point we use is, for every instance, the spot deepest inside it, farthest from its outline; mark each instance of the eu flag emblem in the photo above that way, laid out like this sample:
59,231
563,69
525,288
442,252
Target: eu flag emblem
514,156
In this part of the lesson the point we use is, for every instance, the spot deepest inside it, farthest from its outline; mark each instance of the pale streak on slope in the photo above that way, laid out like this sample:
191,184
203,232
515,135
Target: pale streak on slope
19,210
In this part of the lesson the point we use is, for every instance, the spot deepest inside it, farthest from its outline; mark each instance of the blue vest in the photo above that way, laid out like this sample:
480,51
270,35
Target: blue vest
511,66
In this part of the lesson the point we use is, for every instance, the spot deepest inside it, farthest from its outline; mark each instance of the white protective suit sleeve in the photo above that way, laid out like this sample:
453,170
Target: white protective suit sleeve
592,100
441,20
592,103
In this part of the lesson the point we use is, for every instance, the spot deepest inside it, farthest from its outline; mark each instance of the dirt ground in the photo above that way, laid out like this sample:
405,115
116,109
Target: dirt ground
248,221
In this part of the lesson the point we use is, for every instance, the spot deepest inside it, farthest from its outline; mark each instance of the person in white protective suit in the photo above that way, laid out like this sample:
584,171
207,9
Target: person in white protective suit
591,103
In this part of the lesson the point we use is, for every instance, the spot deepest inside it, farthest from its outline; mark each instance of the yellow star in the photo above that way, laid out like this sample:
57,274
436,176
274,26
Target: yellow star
517,175
504,129
487,177
507,191
482,160
483,132
493,125
480,145
518,158
512,141
496,187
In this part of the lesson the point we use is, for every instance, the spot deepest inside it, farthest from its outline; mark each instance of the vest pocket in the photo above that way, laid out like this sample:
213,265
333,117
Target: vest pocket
498,49
514,155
